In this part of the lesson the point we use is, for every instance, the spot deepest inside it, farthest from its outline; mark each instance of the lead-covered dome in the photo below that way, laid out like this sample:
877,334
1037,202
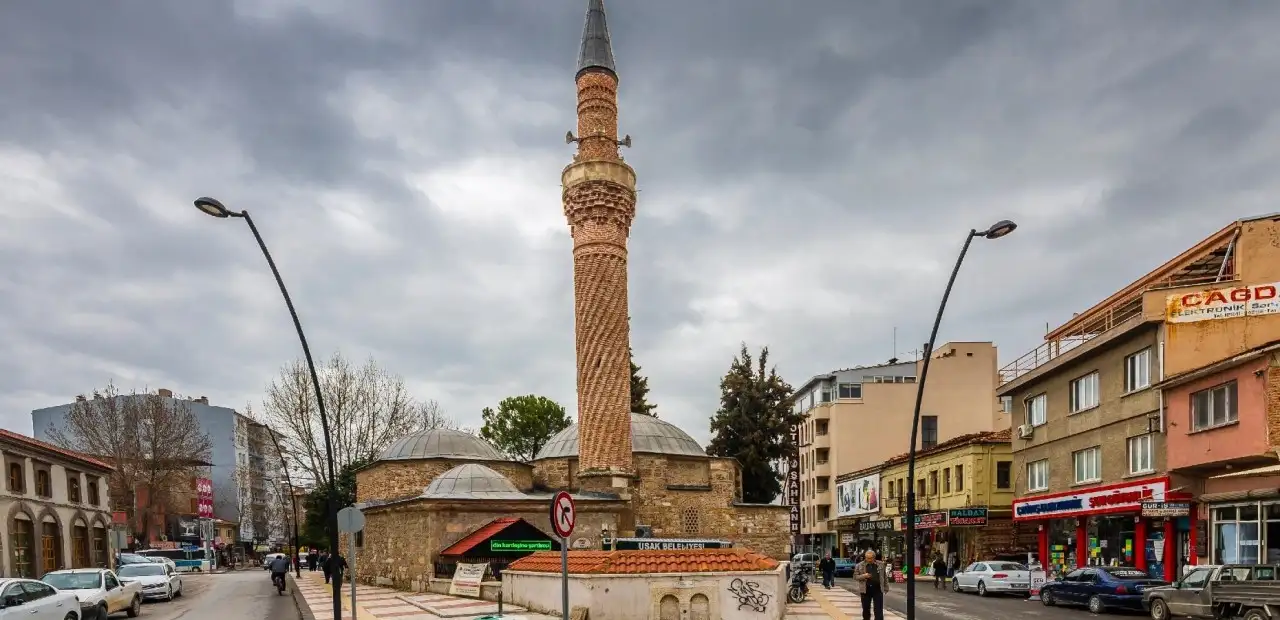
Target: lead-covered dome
648,434
472,481
442,443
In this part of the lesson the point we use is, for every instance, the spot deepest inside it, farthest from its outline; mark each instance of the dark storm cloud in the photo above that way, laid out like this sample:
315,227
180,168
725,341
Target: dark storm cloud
807,172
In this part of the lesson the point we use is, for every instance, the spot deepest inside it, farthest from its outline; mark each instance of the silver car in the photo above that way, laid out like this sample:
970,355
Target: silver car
993,577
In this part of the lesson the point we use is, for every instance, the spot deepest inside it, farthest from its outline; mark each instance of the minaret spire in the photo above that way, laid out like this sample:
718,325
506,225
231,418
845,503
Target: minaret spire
596,51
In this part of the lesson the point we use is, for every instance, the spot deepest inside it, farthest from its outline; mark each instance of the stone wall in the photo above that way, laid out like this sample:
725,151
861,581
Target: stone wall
389,480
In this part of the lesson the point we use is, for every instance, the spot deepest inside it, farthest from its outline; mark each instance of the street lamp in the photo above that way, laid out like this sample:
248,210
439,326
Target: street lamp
214,208
997,230
293,500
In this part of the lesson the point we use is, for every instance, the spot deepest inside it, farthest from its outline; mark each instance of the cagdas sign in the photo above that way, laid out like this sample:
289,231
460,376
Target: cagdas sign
1113,499
1223,303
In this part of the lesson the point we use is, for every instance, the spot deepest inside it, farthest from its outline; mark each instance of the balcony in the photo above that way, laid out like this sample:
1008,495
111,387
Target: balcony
821,469
822,440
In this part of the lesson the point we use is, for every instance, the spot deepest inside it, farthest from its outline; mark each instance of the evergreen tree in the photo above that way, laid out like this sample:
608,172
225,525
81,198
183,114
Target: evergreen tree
754,424
315,528
640,390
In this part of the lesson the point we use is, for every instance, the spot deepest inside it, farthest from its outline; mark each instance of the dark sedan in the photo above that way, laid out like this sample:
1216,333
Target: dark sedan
844,567
1100,588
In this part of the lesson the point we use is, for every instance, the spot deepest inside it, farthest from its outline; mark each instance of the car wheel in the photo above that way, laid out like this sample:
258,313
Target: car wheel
71,615
135,607
1158,609
982,589
179,594
1095,605
1255,614
955,585
1046,597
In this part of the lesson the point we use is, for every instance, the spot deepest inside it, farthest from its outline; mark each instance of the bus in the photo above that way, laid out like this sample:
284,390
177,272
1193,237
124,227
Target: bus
187,559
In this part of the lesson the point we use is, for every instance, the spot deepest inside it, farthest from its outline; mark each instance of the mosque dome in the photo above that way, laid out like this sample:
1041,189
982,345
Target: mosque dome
442,443
472,481
648,434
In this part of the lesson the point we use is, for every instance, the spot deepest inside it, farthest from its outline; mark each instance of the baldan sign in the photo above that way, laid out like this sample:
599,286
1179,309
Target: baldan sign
1223,303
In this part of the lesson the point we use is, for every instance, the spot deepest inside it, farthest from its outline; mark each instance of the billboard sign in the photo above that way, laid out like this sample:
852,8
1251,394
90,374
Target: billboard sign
793,481
204,497
1223,303
858,497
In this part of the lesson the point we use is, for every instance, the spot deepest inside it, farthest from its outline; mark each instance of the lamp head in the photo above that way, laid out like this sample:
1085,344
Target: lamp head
212,207
999,229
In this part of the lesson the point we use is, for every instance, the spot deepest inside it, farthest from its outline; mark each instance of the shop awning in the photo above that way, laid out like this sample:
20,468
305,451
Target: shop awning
514,535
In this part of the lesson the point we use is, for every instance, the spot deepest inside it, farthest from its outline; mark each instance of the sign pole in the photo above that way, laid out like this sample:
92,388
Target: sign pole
564,578
564,516
351,553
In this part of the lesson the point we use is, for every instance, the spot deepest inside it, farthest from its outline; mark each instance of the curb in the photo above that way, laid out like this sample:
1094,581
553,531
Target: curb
304,610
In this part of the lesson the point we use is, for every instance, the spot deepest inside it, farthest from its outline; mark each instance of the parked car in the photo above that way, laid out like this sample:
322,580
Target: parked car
131,558
158,581
1100,588
33,600
1230,591
844,567
268,558
100,591
993,577
160,559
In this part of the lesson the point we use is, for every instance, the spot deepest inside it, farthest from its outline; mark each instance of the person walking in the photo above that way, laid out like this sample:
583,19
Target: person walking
939,572
827,567
324,565
312,559
871,581
335,566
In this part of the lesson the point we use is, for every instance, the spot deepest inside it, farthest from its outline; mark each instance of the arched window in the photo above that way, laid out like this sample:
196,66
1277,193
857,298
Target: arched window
80,545
99,543
50,546
21,540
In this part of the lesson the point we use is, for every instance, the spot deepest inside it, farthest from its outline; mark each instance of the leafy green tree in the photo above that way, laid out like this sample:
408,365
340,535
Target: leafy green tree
523,424
640,390
315,531
754,424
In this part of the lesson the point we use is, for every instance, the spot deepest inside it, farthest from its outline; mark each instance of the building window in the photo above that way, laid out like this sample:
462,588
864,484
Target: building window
933,482
1004,475
946,480
928,432
73,487
1215,406
826,394
1037,410
22,561
959,478
689,518
94,500
99,546
16,478
42,483
1088,464
1084,392
1006,404
823,455
1237,534
822,427
1141,455
1038,475
920,488
824,512
1137,370
79,546
850,390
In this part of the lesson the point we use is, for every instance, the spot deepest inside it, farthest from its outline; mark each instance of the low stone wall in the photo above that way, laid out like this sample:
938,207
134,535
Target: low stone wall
758,595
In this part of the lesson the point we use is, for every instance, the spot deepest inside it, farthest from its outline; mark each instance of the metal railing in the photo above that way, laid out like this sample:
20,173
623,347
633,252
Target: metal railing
1052,349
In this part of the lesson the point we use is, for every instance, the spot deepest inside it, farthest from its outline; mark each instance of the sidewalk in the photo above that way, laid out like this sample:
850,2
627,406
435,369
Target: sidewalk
834,604
374,603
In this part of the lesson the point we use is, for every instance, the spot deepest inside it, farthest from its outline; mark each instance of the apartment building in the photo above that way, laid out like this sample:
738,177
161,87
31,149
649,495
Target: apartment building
857,418
1102,448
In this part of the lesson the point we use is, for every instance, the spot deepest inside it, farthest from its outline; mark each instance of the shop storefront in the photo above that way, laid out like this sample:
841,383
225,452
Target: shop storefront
1132,524
876,535
1245,532
930,537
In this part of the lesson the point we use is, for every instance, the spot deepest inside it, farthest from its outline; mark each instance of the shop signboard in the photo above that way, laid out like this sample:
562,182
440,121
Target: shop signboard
1223,303
1116,498
1166,509
670,544
793,481
467,579
879,525
967,517
928,520
519,546
858,497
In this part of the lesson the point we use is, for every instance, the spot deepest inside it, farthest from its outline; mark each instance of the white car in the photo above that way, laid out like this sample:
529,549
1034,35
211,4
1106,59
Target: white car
158,559
32,600
993,577
158,580
268,558
100,591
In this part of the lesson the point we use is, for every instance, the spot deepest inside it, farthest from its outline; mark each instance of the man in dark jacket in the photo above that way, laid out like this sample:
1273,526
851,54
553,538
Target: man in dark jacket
939,571
827,567
334,568
313,558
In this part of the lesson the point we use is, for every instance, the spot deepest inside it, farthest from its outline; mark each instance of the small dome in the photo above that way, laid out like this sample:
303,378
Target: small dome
472,481
442,443
648,434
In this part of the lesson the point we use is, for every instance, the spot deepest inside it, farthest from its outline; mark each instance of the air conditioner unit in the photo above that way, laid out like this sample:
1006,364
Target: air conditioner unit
1026,431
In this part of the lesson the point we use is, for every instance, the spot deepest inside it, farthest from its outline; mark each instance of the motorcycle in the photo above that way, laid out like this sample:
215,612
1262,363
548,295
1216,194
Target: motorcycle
279,579
799,589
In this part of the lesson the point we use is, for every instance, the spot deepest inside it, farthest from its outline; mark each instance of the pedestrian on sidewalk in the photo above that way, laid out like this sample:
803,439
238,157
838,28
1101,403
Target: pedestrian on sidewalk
871,580
334,569
828,568
324,564
312,558
939,571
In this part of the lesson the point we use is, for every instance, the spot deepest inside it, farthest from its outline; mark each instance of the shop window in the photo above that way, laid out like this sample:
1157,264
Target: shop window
1111,541
946,480
1141,455
1084,392
1037,409
1038,475
928,432
1137,370
1215,406
1004,475
1088,464
959,478
849,390
1236,534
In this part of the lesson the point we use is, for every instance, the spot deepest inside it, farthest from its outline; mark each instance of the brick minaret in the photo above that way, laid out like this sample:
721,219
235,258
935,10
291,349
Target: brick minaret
600,202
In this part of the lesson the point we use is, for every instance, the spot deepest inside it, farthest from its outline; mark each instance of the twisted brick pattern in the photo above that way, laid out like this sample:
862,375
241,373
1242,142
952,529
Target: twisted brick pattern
604,374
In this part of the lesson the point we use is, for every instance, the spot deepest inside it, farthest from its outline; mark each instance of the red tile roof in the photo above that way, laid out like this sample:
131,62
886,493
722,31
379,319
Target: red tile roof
48,447
635,562
480,535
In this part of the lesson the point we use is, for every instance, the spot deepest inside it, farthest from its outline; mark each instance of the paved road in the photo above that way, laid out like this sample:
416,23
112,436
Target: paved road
242,595
942,604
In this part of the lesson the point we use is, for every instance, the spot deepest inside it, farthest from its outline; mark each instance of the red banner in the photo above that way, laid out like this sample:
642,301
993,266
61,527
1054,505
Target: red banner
204,497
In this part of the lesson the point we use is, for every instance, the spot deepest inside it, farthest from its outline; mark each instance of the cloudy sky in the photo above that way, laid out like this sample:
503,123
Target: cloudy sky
808,170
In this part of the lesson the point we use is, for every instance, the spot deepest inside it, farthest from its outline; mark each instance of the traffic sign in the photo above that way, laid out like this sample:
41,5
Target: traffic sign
563,514
350,520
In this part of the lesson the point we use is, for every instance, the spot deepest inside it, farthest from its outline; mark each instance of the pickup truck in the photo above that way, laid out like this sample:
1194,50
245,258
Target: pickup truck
100,592
1245,591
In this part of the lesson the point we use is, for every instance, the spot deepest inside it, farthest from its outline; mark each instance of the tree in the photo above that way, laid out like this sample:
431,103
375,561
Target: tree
640,390
368,408
154,442
523,424
754,424
315,531
431,414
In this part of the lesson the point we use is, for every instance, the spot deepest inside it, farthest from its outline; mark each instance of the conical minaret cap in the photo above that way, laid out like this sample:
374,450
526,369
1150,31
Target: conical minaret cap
596,51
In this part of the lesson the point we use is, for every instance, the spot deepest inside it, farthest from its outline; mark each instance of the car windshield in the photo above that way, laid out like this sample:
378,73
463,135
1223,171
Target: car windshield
1006,566
1125,572
74,581
133,558
141,570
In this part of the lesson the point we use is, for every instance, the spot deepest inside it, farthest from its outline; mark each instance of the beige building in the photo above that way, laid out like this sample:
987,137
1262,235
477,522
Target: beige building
857,418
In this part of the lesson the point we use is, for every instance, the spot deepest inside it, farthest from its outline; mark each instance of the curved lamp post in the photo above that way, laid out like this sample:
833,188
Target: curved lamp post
997,230
293,498
212,207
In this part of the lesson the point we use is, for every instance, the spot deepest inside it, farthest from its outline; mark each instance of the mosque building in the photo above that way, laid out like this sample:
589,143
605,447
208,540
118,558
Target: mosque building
439,497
